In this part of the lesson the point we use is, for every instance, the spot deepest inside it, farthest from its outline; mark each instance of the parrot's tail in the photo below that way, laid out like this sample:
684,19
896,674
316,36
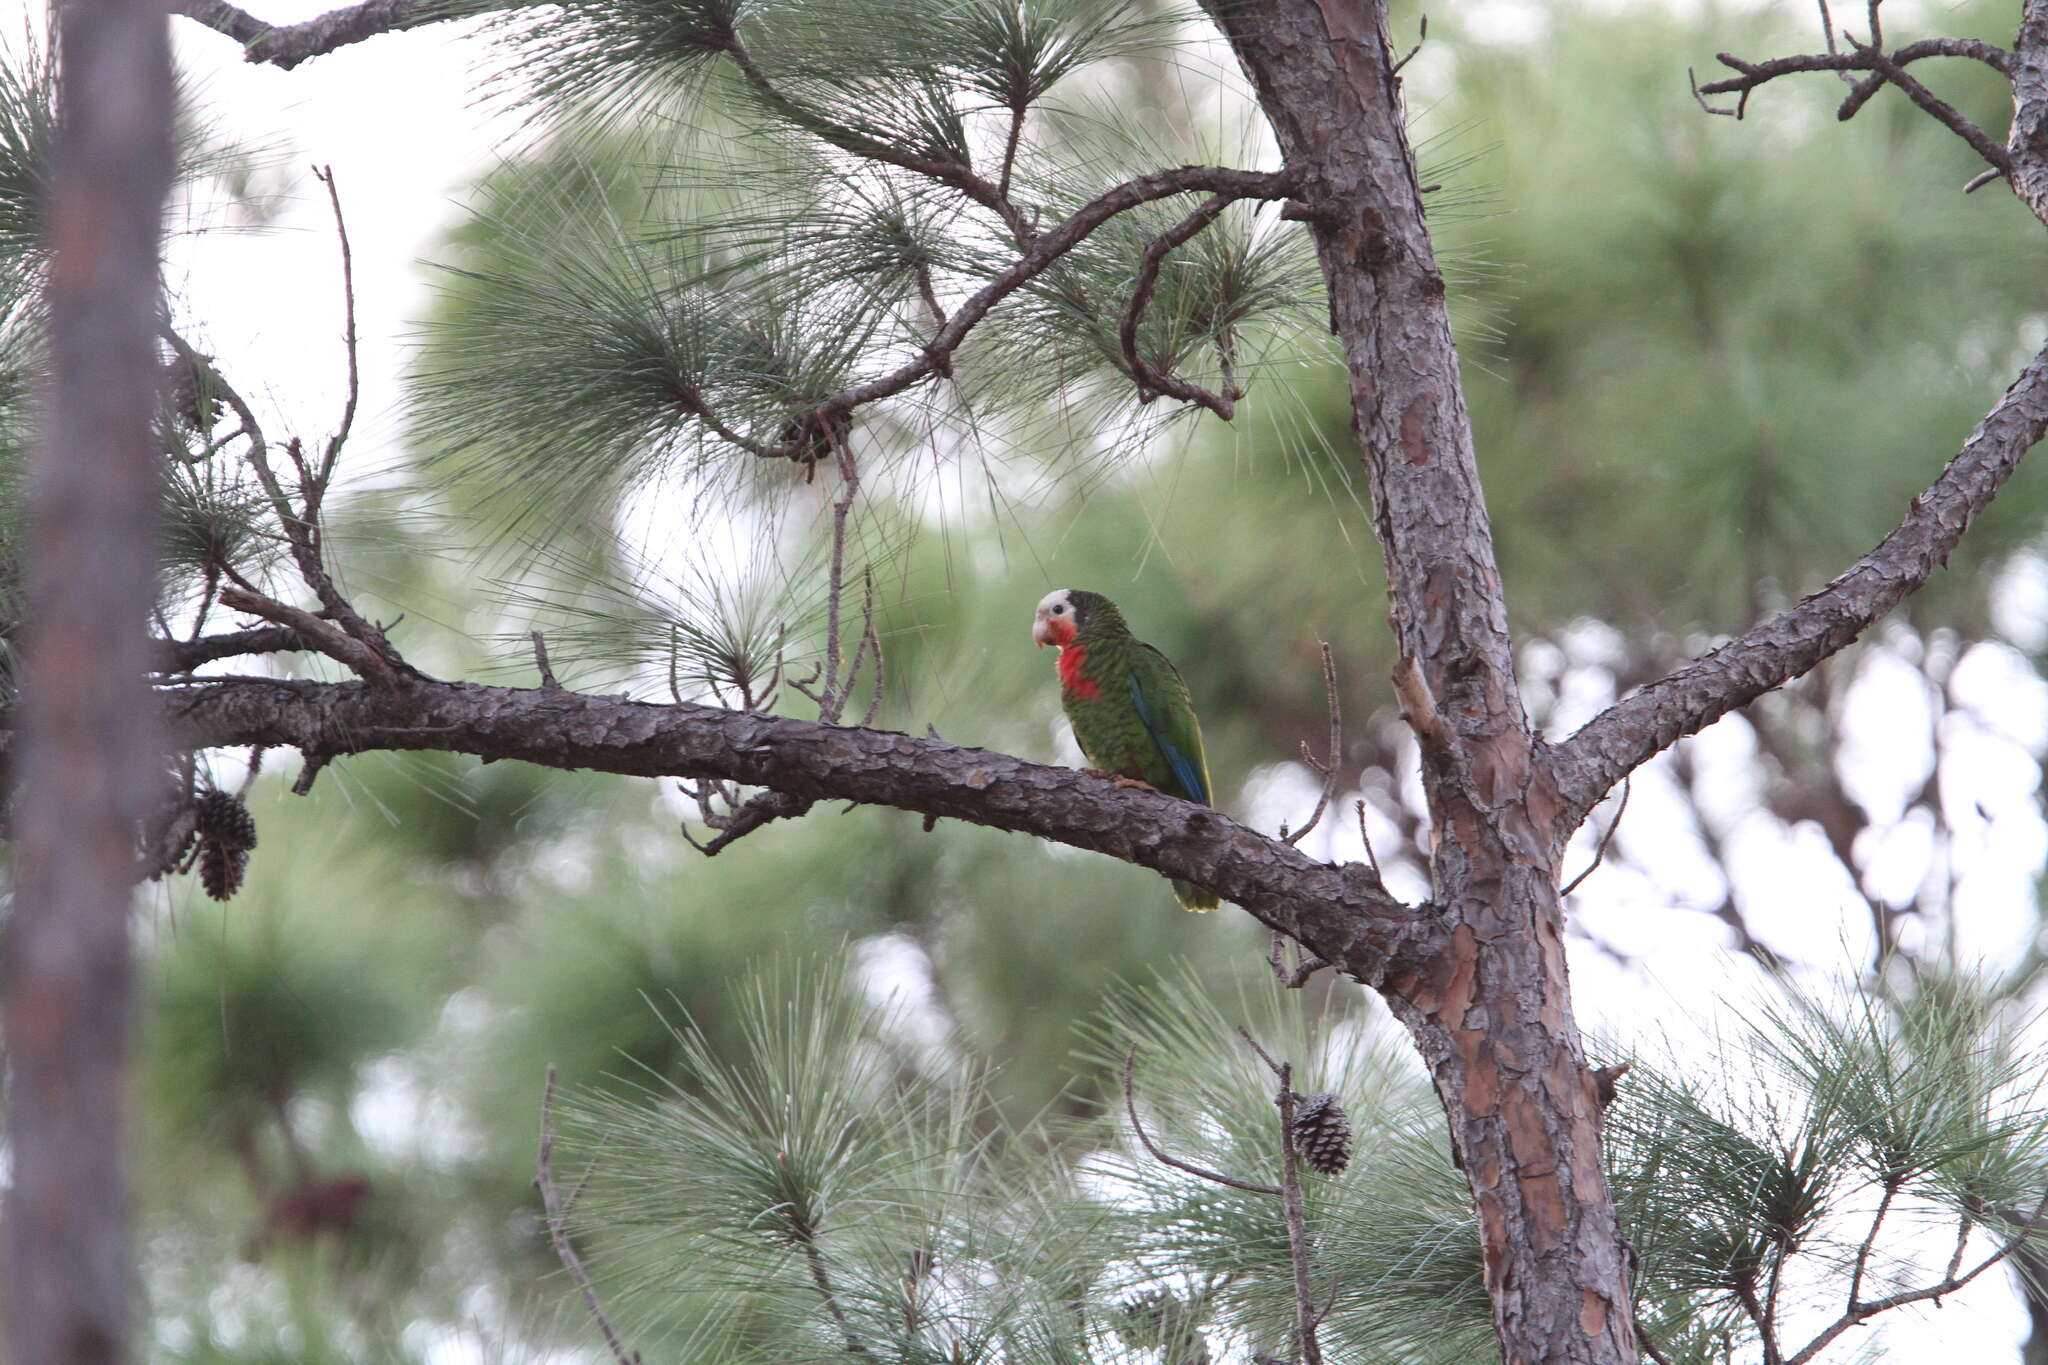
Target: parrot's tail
1193,897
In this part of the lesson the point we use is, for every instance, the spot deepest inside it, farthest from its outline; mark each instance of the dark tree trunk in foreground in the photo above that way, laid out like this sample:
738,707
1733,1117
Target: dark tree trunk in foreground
86,750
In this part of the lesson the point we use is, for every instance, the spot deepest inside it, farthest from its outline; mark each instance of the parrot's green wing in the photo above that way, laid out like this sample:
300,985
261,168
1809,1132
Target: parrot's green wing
1168,714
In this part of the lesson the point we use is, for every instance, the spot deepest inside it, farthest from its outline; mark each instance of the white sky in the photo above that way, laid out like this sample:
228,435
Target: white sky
399,120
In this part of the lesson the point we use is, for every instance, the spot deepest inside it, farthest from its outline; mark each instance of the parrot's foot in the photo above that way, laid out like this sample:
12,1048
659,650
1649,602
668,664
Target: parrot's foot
1122,781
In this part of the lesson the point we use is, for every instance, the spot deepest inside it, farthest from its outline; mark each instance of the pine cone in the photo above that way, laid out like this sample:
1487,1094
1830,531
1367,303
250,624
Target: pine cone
220,869
1322,1133
191,391
223,819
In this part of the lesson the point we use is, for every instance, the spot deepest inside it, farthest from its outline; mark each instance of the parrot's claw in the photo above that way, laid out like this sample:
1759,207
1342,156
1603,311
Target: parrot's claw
1140,784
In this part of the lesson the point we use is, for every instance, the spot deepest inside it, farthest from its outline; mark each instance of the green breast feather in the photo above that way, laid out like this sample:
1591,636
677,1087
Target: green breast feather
1141,723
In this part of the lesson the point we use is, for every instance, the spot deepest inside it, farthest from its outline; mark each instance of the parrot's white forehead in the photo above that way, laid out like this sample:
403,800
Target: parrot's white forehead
1056,598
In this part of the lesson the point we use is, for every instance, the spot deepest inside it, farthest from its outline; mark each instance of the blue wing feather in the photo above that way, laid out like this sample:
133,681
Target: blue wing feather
1184,767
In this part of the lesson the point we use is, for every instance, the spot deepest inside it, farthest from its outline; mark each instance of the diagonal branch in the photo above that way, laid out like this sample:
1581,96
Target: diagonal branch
1340,912
287,45
1630,732
1933,105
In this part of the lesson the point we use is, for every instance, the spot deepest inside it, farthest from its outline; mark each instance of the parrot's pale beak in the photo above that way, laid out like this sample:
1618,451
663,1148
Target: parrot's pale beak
1041,633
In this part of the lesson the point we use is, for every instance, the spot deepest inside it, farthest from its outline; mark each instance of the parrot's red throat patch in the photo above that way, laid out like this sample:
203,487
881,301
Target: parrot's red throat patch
1072,657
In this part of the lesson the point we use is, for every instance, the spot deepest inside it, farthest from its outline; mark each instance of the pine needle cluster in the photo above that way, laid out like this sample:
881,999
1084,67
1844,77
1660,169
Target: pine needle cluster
832,1187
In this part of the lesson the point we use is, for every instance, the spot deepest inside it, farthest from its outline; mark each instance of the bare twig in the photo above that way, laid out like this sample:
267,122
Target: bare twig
1153,380
1306,1318
1600,851
1371,859
815,1259
1751,75
250,773
1295,977
548,681
1048,247
1827,33
930,295
1421,37
1933,105
1693,79
833,693
1891,1190
763,808
1330,769
325,175
300,529
871,642
316,761
1203,1172
557,1220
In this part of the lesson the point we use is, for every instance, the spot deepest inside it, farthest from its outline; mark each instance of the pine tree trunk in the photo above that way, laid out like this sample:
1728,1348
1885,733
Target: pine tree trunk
1492,1011
86,753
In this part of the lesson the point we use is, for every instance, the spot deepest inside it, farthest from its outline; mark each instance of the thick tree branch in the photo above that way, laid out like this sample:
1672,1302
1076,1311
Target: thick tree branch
290,44
182,656
1341,912
1630,732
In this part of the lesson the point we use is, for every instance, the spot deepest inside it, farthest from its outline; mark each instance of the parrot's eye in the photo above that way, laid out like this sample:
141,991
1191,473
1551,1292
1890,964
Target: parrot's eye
1056,611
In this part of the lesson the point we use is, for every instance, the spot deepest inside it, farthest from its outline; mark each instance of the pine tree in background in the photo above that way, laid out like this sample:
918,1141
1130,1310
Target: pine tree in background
629,409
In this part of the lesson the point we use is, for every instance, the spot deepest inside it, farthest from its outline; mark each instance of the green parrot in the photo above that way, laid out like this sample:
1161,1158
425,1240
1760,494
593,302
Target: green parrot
1129,708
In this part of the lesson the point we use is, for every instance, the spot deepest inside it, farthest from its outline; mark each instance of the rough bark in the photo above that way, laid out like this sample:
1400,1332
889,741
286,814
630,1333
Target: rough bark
87,745
1491,1012
1340,911
286,45
2027,141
